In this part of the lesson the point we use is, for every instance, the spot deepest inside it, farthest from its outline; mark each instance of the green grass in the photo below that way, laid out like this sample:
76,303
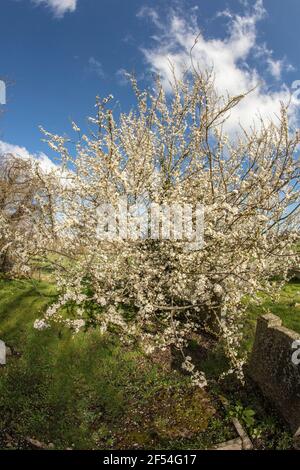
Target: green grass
20,304
287,307
89,392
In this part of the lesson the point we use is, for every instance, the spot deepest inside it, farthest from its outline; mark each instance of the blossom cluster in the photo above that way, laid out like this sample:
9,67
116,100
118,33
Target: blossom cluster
171,150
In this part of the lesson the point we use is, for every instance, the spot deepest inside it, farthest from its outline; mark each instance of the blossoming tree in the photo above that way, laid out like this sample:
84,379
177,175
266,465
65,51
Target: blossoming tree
172,150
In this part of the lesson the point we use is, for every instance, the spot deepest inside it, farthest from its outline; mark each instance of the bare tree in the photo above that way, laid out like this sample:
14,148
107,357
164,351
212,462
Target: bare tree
19,208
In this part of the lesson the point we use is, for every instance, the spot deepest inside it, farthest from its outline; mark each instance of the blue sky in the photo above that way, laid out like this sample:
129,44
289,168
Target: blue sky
58,55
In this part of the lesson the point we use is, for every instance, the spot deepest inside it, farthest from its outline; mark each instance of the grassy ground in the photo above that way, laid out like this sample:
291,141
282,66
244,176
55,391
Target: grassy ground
88,392
287,308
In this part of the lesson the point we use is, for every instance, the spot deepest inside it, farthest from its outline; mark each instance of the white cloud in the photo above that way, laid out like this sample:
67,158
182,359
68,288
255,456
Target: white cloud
122,77
96,67
41,158
275,67
150,13
59,7
230,58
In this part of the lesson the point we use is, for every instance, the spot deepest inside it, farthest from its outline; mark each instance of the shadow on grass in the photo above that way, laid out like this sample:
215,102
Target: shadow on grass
20,304
87,390
90,391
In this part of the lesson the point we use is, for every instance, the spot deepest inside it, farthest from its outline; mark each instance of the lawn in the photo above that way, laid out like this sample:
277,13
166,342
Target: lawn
90,392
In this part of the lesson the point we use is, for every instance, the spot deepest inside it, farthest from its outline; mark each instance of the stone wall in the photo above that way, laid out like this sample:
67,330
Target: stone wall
275,368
